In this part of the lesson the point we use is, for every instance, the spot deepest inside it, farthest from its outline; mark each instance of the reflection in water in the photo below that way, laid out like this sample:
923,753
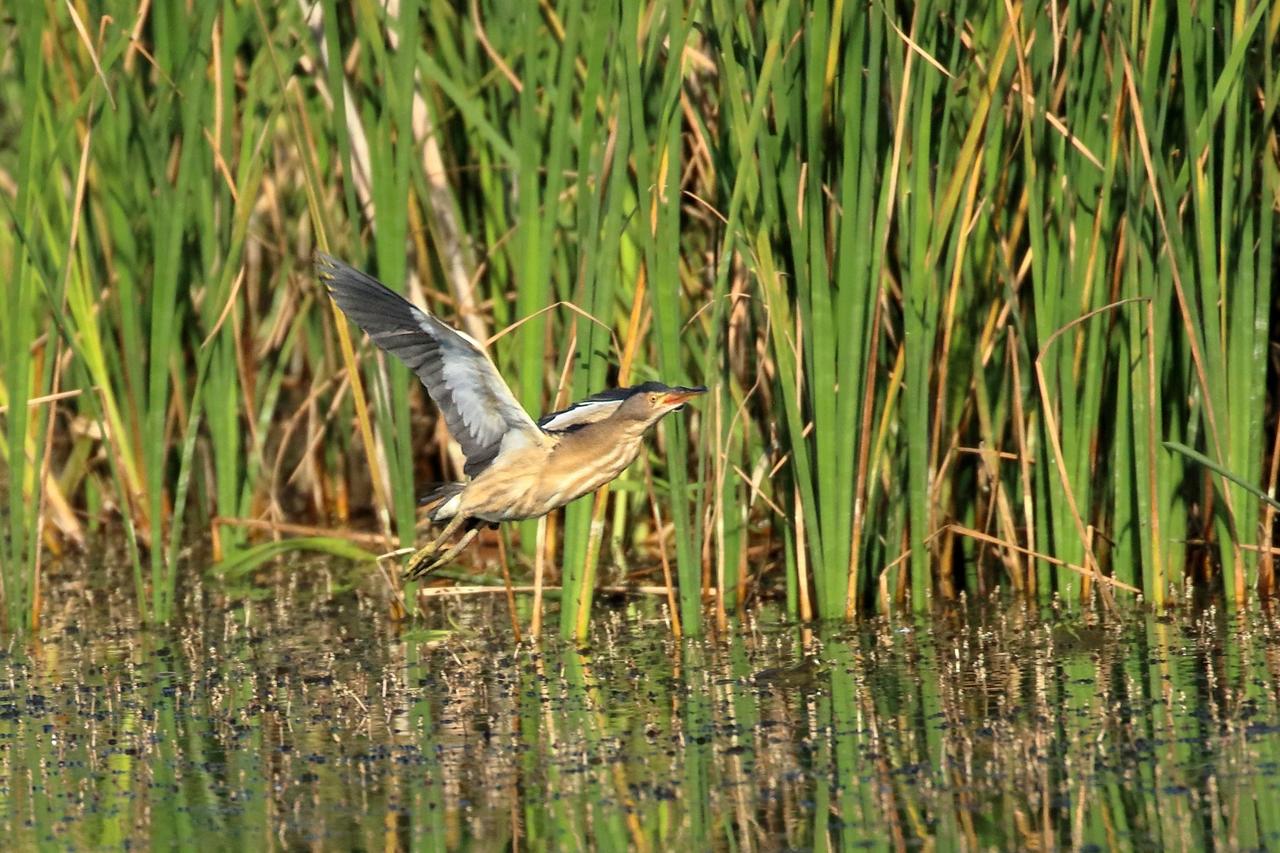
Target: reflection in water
282,726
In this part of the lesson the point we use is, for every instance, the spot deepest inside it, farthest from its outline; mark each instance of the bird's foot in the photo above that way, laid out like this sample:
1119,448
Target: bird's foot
424,559
429,558
423,562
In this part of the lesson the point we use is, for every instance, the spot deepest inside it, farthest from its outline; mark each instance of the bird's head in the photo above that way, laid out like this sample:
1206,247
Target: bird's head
646,404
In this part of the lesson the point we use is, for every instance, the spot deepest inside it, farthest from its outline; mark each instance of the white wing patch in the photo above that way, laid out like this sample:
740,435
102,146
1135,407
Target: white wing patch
588,411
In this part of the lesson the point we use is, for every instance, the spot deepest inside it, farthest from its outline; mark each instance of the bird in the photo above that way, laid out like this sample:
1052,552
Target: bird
516,468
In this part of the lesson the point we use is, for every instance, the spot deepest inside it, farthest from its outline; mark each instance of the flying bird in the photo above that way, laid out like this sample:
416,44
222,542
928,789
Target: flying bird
516,468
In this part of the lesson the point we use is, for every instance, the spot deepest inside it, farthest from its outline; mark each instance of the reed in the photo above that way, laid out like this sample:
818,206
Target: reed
959,275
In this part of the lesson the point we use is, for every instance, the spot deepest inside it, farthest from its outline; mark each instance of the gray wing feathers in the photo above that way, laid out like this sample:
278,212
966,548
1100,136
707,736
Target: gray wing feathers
477,405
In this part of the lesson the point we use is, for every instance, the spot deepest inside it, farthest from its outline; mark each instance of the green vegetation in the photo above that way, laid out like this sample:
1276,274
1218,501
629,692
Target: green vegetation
955,272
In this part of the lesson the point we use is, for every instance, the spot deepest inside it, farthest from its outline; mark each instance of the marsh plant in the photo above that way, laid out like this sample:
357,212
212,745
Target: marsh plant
983,292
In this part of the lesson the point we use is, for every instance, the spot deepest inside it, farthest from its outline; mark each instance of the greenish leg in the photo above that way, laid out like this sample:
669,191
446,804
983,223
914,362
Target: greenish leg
451,553
418,563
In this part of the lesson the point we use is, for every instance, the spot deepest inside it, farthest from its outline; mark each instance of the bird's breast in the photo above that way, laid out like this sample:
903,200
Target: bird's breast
578,472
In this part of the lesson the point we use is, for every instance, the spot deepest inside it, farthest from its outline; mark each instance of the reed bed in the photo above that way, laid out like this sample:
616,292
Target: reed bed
983,291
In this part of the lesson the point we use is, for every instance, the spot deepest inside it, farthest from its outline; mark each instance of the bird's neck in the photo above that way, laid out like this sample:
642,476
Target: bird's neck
618,431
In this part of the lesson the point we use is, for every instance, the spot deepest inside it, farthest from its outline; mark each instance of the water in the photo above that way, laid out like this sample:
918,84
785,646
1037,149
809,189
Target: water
309,720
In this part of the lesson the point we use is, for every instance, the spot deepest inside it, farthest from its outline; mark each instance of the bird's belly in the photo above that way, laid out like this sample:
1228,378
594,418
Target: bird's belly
536,494
535,501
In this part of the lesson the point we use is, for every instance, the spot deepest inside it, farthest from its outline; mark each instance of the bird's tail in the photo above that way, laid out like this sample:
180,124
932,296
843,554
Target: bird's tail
439,500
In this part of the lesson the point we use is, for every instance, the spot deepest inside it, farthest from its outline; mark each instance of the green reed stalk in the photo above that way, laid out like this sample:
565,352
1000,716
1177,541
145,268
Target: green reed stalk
392,149
174,203
752,213
1234,286
19,331
655,130
534,225
921,298
835,284
594,292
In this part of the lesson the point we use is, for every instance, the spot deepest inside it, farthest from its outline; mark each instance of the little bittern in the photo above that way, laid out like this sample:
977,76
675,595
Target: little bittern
515,468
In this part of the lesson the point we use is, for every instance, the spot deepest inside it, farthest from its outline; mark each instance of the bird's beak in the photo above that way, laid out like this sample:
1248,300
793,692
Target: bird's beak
679,396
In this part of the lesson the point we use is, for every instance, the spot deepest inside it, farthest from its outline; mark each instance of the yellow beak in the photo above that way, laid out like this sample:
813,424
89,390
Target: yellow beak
679,395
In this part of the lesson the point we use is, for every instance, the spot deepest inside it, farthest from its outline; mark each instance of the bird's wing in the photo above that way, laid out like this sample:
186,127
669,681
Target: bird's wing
597,407
477,405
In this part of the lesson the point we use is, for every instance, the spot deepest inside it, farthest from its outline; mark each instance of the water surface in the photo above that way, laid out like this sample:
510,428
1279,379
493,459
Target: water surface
308,719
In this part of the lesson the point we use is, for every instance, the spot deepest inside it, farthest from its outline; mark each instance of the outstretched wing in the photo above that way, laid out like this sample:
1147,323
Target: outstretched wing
588,410
482,415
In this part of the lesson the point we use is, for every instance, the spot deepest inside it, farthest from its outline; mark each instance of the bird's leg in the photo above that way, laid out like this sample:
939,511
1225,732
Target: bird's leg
426,552
432,563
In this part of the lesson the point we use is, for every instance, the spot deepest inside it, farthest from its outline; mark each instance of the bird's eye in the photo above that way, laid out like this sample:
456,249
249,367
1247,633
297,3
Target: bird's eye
653,399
